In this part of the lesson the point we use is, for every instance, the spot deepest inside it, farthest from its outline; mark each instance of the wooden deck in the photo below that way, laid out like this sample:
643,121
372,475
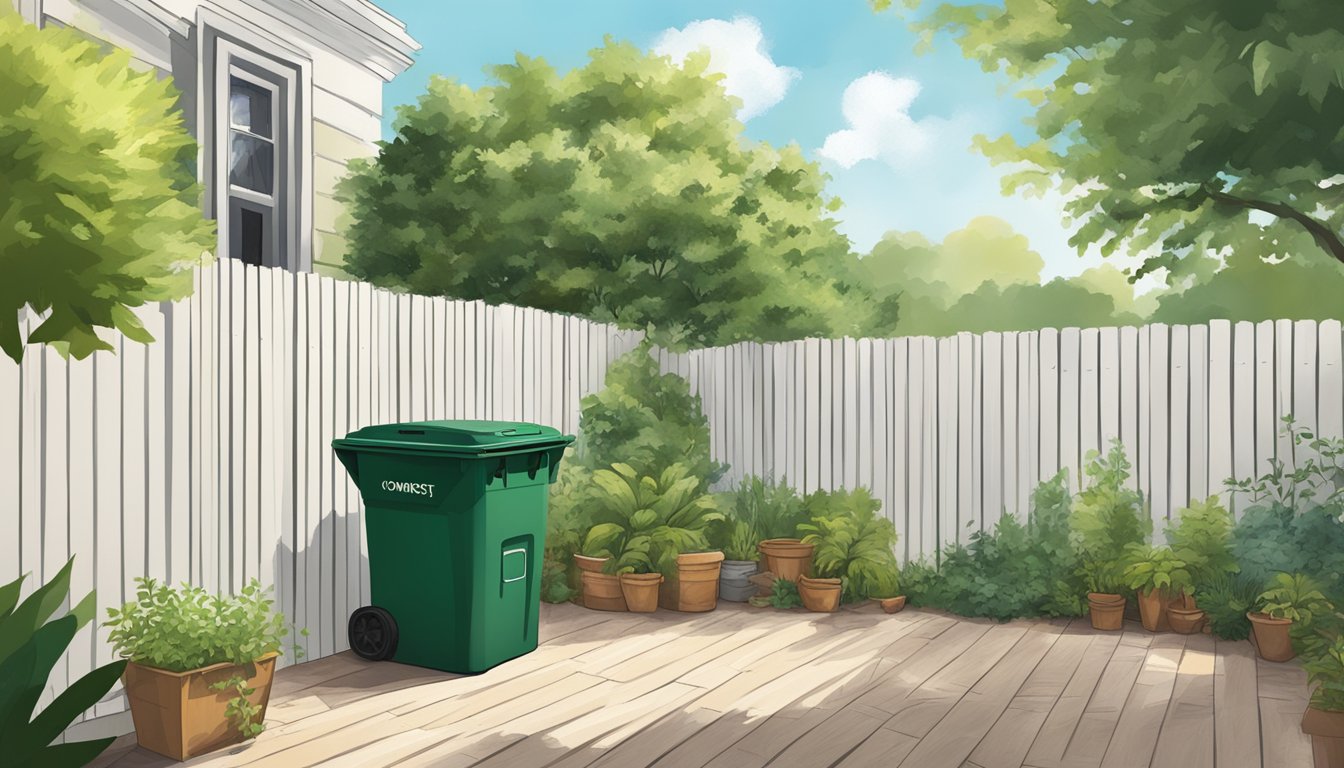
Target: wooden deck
746,687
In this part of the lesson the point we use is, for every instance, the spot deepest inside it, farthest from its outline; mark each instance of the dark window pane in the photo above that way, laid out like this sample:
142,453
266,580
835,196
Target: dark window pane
251,163
249,107
251,237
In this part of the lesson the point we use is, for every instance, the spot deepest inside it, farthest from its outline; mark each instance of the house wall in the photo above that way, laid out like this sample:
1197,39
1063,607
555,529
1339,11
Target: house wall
343,110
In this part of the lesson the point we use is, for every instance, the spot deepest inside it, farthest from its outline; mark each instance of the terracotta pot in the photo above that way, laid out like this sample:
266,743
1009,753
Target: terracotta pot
1326,730
177,715
601,591
820,595
735,580
696,586
1271,637
1185,620
1153,610
787,558
640,591
1107,611
891,604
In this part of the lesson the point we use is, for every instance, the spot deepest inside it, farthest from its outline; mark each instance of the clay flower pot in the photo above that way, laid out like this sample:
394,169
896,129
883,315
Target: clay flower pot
696,586
1107,611
640,591
1326,730
178,715
1153,610
601,591
787,558
1271,637
1186,621
735,580
891,604
820,595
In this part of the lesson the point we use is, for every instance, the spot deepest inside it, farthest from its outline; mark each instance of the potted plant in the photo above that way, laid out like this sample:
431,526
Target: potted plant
776,510
852,543
599,590
656,524
1105,603
821,595
1291,599
1324,718
739,564
1154,574
200,665
640,589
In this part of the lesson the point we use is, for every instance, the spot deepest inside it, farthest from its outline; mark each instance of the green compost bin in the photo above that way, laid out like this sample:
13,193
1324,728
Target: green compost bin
455,515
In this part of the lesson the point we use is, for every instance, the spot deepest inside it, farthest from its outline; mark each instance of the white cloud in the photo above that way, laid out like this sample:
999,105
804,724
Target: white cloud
736,49
877,108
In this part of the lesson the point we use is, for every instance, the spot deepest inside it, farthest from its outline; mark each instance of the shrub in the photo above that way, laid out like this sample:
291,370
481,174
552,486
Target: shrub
647,420
1202,538
785,594
1273,538
101,210
1225,598
188,628
566,524
1107,517
34,635
853,543
643,523
1157,568
774,510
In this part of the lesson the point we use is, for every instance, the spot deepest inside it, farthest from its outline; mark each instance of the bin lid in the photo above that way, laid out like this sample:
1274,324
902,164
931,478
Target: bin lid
462,437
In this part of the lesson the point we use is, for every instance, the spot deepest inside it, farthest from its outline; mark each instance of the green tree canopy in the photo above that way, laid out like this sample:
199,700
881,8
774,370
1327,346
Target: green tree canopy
1165,124
99,210
623,190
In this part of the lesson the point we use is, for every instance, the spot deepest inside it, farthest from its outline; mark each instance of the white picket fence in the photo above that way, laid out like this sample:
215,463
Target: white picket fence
205,457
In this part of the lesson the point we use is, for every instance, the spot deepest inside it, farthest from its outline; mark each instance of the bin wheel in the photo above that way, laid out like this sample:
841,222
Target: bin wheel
373,633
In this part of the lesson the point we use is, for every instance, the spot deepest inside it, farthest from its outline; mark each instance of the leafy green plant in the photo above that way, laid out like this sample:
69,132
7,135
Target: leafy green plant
785,594
774,509
1202,538
918,578
1317,478
853,543
1326,670
1157,568
1107,516
566,523
245,715
1225,598
741,542
1275,538
188,628
101,208
1101,576
1293,596
646,419
33,636
643,523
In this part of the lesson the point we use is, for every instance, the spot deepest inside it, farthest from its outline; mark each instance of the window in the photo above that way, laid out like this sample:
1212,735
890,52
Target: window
252,158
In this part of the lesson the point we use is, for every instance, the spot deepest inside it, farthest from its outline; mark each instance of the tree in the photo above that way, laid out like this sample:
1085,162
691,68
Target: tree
98,208
1166,124
623,191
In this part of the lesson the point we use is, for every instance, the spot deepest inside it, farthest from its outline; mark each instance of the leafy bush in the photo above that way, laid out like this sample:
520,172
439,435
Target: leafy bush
785,594
1013,571
101,209
1292,596
1157,568
741,542
853,543
918,578
1225,598
1273,538
1326,670
1202,538
1108,517
774,510
642,524
188,628
566,524
648,420
34,635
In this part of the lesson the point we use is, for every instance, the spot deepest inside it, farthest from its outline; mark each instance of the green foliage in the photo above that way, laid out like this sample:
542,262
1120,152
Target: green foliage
774,510
852,542
1293,596
1326,671
245,715
1316,479
1272,538
646,419
623,190
1012,571
1250,287
1225,598
566,524
188,628
643,523
741,542
1108,517
1202,538
918,579
785,594
100,210
1157,568
34,634
1163,125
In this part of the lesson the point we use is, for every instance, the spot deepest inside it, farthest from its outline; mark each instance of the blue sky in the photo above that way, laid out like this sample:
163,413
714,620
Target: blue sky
908,164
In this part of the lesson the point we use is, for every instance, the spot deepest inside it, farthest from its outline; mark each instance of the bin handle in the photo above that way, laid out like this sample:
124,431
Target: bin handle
534,464
516,551
499,469
410,431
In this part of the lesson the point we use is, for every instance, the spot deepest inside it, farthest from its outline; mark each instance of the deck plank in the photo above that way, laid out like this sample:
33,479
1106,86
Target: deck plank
1140,723
1236,706
1186,739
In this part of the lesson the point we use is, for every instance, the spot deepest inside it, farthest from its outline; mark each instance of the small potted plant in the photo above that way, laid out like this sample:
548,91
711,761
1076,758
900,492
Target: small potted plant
1292,598
200,665
854,557
821,594
783,594
739,564
640,590
1105,602
776,511
1154,574
599,590
1324,718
